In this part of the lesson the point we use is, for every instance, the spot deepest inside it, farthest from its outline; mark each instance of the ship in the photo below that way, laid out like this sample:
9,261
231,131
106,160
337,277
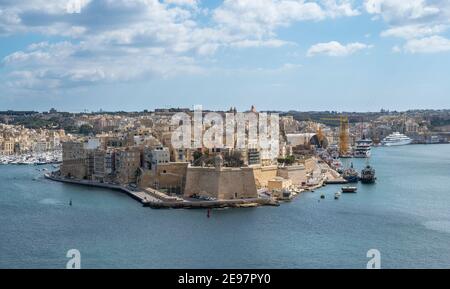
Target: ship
351,175
368,175
363,148
396,139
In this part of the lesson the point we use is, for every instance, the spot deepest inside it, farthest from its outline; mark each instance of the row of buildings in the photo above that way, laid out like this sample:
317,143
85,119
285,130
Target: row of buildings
18,140
111,159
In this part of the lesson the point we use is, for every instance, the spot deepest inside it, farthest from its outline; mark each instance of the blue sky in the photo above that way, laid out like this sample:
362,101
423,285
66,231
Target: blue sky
277,54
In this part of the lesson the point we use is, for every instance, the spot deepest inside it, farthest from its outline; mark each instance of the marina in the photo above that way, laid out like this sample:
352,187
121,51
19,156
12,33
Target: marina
38,158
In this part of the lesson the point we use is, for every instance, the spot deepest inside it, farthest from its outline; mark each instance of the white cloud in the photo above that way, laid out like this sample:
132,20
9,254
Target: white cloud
262,17
128,39
335,8
66,65
414,31
182,2
259,43
432,44
112,41
395,10
335,48
417,21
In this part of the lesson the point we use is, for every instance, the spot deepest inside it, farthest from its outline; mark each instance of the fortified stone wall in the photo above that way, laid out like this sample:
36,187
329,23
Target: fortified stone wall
165,176
309,164
264,174
297,174
74,168
221,183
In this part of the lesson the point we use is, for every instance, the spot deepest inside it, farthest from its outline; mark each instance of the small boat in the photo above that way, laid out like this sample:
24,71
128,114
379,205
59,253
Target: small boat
337,195
349,189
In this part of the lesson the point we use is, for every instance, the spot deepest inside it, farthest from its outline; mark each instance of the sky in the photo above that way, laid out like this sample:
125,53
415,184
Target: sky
342,55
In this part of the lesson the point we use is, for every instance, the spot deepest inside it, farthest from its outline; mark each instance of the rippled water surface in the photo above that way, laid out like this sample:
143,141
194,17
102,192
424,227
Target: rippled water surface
406,216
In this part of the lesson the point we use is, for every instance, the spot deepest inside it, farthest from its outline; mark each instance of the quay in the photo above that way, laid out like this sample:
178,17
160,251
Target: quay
158,200
139,196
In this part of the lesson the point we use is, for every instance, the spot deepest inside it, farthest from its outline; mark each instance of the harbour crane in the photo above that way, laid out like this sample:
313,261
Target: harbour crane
344,132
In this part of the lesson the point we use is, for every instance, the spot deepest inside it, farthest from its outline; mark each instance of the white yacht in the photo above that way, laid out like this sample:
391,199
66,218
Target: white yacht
363,148
396,139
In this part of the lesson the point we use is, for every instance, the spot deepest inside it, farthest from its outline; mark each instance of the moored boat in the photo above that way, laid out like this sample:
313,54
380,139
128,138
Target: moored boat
349,189
368,175
351,175
363,148
396,139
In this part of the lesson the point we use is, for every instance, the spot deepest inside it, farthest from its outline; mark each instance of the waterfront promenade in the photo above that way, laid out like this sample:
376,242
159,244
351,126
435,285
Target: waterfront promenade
140,196
158,200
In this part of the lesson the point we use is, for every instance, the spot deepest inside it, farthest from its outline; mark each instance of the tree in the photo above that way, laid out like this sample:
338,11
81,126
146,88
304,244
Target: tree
86,129
288,161
196,155
233,159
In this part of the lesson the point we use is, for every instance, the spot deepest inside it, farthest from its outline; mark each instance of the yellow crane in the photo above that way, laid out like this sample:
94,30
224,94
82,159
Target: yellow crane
344,138
320,135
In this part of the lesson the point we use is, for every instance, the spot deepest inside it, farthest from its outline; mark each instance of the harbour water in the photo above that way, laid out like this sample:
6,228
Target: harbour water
405,215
